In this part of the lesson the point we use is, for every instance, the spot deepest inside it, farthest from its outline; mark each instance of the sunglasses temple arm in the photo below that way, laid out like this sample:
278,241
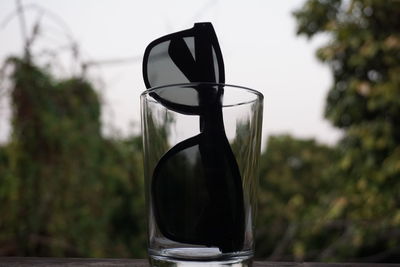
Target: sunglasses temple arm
204,54
183,59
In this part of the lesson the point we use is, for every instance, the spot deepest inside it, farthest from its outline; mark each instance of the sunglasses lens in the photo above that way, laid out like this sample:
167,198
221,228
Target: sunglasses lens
161,69
181,196
188,97
174,61
197,204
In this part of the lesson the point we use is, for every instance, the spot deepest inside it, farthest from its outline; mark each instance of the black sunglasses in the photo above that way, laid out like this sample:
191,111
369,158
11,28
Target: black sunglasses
196,188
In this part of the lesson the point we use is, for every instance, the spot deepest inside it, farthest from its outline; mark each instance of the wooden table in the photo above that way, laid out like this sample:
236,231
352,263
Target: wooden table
17,261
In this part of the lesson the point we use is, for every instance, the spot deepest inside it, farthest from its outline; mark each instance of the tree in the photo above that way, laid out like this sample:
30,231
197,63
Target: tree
363,53
65,189
295,193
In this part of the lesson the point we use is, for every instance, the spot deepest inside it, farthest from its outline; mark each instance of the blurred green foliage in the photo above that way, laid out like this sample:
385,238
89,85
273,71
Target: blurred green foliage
356,207
66,190
296,200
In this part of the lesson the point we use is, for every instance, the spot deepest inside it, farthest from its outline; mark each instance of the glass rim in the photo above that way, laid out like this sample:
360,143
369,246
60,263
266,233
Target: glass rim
259,95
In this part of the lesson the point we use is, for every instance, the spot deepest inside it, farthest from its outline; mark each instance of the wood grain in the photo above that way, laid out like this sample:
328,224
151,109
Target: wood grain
74,262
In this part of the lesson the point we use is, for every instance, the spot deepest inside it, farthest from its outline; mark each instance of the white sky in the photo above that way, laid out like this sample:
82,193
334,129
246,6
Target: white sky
257,39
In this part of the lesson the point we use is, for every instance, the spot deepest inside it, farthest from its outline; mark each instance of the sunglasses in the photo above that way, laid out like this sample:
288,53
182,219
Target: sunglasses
196,188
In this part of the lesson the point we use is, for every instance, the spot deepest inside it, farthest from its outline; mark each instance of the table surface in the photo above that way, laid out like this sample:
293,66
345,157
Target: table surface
19,261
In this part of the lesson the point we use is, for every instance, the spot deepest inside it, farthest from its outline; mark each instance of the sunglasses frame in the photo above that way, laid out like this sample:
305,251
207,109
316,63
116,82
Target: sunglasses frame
195,32
216,154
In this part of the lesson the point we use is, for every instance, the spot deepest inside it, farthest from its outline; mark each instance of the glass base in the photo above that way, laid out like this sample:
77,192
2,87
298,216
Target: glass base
201,257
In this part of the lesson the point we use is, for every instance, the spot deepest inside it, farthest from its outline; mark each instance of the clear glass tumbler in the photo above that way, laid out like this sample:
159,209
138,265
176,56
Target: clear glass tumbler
201,151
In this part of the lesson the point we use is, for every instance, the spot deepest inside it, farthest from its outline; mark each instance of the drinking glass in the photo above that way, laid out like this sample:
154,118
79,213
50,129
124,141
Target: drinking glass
201,173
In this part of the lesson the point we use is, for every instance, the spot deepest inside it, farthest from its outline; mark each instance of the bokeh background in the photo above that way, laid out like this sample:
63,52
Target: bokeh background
71,179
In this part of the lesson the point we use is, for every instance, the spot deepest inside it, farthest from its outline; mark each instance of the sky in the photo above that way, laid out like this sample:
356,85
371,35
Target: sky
257,38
